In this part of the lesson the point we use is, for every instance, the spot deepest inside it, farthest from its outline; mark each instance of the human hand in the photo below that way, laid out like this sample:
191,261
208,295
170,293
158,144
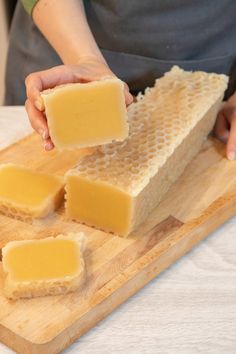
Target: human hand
86,71
225,126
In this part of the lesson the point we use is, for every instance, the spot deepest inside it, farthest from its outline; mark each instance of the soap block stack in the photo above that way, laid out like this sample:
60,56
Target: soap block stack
117,186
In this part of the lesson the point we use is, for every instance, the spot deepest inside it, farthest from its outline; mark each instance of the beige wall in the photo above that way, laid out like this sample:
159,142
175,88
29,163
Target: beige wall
3,46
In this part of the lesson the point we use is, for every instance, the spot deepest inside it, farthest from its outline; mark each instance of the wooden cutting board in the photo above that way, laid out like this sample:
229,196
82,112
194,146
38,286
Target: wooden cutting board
201,200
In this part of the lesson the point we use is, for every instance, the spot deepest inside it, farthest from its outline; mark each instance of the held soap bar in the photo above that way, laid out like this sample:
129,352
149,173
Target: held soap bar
117,186
50,266
25,193
88,114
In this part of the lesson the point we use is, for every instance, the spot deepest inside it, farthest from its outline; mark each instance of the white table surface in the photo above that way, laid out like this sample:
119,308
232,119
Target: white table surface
190,308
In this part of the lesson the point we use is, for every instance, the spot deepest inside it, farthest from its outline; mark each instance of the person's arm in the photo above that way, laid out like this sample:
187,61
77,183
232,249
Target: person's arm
64,25
225,127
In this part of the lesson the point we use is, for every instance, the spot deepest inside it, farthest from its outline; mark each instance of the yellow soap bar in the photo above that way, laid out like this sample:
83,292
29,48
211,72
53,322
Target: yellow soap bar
88,114
43,267
26,193
118,185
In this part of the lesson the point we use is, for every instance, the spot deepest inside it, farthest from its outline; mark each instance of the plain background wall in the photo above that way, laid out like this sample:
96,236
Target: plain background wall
6,12
3,45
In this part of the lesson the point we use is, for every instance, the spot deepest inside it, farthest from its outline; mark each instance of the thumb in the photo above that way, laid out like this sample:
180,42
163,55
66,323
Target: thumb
231,144
128,97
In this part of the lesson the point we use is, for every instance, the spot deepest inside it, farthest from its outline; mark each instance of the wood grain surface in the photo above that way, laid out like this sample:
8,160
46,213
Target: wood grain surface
117,267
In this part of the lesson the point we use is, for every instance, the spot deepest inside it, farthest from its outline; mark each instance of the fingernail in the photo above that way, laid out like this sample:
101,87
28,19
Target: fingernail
39,104
131,98
45,135
232,155
48,146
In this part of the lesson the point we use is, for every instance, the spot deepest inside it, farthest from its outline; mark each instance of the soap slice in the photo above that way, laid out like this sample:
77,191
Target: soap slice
117,186
88,114
50,266
25,193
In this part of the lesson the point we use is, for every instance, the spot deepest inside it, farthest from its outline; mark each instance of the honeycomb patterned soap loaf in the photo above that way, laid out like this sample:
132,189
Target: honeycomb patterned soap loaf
116,187
27,194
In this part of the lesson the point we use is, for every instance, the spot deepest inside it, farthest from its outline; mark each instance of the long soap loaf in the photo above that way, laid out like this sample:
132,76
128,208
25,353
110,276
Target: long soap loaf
116,187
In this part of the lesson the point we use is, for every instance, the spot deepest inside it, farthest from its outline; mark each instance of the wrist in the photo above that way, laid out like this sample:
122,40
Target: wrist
78,59
90,68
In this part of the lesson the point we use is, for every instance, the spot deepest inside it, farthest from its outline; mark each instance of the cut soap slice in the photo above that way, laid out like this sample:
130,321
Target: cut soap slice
117,186
43,267
25,193
89,114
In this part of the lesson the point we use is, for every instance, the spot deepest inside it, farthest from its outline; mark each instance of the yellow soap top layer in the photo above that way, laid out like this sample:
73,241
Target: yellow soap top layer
28,191
88,114
43,260
43,266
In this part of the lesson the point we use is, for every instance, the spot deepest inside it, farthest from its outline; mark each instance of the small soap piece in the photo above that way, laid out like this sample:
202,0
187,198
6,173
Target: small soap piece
50,266
88,114
25,193
118,185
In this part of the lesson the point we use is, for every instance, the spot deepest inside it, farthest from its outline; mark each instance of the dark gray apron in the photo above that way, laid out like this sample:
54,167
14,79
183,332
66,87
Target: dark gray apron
140,39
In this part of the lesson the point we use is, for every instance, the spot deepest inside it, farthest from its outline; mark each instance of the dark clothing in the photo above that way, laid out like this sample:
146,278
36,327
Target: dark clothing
140,40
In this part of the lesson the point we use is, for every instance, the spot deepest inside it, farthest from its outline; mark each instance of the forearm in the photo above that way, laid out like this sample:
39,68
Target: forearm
64,25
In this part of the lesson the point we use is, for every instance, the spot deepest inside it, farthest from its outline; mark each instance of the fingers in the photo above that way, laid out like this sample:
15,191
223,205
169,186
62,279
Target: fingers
128,97
225,130
221,128
231,144
48,144
33,87
41,80
39,124
35,83
37,119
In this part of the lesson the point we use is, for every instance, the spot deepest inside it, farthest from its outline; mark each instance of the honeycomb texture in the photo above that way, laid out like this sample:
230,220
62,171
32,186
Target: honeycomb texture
167,127
10,211
159,121
28,215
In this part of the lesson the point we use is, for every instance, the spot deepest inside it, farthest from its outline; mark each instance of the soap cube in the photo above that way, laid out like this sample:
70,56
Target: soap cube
25,193
50,266
118,185
86,114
